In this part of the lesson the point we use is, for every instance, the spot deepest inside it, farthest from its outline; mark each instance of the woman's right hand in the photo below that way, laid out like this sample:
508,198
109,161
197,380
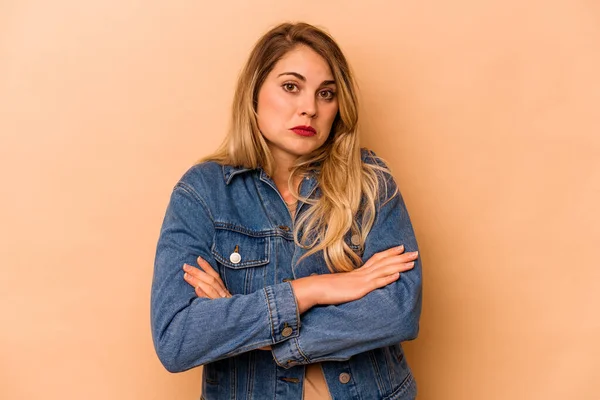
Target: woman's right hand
380,270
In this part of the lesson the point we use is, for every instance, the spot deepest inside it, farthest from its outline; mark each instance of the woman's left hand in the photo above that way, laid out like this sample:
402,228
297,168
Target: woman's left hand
206,281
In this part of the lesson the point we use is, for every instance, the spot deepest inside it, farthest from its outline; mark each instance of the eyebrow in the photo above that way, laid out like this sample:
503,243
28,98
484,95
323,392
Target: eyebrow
303,79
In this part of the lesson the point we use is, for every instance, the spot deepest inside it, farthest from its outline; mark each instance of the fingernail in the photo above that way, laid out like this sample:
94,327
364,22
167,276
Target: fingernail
411,264
185,275
414,253
186,267
401,247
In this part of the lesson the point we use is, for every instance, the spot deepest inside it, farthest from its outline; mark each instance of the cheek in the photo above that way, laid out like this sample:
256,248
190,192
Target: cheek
272,108
329,112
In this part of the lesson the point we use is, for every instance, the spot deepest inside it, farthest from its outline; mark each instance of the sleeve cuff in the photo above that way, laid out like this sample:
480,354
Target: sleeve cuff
283,312
288,354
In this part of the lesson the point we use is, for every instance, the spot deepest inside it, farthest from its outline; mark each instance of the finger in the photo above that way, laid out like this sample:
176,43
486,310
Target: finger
393,269
200,292
383,255
195,282
211,294
191,280
400,258
410,256
385,280
201,288
213,283
199,274
207,267
209,290
392,260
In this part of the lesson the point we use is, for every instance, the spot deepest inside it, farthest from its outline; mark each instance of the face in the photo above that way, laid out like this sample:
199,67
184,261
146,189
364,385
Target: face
297,104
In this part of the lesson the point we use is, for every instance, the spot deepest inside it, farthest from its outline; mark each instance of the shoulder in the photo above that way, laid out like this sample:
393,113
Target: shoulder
366,154
369,157
378,169
201,177
203,170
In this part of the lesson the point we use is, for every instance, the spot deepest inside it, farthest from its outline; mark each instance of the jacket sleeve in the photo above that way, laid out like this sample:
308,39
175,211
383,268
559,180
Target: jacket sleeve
383,317
188,331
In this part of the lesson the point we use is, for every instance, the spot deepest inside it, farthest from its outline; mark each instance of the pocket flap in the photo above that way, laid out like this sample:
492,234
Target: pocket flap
252,247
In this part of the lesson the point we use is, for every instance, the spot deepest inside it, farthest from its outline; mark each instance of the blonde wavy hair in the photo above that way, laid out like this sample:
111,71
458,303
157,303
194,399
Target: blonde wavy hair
349,188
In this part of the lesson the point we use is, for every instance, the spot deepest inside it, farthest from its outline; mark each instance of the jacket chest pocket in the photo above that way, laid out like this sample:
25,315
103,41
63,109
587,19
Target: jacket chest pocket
243,256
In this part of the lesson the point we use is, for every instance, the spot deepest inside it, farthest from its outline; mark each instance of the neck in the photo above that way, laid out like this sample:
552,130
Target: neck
281,176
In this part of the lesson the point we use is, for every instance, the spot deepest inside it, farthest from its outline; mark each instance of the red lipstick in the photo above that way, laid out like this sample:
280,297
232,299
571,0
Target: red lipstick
304,130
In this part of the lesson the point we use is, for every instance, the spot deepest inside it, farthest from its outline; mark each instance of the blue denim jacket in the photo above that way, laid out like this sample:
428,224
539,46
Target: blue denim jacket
217,210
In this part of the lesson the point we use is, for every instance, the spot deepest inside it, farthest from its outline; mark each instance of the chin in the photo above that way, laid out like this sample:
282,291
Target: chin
303,151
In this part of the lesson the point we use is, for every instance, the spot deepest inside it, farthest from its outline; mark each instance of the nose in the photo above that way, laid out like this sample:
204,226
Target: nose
308,106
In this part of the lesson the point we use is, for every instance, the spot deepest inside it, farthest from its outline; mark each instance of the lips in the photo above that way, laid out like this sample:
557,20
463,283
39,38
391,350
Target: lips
304,130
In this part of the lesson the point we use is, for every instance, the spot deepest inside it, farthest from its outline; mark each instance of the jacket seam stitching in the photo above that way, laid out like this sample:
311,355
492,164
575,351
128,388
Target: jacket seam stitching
190,190
377,372
300,351
227,226
407,380
262,201
271,325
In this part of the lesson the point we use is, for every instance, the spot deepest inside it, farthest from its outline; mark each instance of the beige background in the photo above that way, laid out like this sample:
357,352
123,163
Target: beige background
486,111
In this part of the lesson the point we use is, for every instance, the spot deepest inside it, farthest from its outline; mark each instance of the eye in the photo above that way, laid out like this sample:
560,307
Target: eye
327,94
290,87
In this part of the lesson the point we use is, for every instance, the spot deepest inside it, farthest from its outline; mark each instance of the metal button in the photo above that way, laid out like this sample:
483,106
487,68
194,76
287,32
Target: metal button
287,331
235,258
355,239
284,228
344,377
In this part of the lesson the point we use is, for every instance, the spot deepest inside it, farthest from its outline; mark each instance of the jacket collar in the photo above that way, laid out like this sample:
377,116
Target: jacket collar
230,171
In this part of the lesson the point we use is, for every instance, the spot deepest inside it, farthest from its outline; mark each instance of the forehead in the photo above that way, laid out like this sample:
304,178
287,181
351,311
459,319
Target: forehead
305,61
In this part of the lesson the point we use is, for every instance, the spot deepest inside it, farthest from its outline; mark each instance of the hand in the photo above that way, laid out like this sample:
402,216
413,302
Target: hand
206,282
380,270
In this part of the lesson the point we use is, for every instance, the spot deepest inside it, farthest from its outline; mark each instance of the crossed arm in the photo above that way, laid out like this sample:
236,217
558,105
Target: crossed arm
373,306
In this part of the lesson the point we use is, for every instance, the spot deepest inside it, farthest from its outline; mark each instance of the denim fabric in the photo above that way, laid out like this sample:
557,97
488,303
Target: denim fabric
217,210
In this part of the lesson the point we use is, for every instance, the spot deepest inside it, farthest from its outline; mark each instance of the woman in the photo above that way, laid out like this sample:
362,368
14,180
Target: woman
287,263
